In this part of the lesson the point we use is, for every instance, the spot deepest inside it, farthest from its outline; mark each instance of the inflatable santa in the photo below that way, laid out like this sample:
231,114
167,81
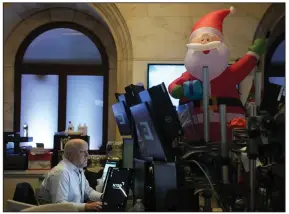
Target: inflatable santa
207,48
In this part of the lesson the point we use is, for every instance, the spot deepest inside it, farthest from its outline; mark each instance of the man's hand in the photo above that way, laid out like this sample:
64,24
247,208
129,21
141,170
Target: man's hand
193,90
93,206
258,47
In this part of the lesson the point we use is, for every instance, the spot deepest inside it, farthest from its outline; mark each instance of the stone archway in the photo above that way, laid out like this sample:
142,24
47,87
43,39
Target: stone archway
271,25
270,19
270,22
115,38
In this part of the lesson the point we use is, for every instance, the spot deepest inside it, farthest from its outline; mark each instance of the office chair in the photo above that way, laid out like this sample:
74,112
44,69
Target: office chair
24,193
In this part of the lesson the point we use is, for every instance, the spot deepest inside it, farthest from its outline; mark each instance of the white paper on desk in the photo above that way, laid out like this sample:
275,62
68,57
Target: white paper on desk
245,160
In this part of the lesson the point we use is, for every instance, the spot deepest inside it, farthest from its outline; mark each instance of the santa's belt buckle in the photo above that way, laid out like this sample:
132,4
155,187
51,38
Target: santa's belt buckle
214,105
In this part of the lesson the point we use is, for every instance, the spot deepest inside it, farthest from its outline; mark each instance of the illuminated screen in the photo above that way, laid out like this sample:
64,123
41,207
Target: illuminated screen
107,165
278,81
158,73
121,117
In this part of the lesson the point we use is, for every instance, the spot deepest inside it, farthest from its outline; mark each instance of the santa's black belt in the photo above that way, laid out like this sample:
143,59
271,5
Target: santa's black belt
222,100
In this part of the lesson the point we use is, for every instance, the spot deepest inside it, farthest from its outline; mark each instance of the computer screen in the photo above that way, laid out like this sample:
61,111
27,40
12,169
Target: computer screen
148,138
116,189
106,167
165,179
167,73
278,81
122,118
163,112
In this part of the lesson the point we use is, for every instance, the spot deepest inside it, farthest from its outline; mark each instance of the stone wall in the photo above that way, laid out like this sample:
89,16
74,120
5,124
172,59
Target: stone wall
160,31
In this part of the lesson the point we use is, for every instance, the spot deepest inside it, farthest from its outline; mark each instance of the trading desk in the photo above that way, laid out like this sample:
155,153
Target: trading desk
33,177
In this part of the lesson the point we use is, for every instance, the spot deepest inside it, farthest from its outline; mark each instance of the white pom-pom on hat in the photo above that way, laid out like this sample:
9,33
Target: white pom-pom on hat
232,10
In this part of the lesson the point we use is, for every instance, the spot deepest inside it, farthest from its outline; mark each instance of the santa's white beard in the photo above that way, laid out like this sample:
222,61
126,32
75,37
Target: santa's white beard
216,60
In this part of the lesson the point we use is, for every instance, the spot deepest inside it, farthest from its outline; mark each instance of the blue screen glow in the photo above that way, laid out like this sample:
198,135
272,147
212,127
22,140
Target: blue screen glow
165,73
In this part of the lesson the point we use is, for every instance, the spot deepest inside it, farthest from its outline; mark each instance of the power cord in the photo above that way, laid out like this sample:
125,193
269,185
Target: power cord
209,180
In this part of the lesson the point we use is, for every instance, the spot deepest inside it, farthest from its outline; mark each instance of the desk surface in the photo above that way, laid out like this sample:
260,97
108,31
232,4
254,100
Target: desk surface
38,172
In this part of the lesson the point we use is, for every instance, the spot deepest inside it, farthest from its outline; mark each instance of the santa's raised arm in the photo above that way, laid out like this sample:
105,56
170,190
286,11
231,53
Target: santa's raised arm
206,48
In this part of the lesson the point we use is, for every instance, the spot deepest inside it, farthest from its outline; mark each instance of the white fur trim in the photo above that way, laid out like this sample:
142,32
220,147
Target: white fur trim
253,54
206,30
232,10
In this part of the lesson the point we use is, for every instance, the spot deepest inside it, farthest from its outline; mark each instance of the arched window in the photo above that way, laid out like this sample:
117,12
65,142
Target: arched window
64,46
61,75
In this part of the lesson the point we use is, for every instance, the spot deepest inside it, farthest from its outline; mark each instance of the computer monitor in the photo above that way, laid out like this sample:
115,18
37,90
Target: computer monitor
132,94
163,111
149,140
143,183
116,190
122,118
171,191
165,179
108,164
128,153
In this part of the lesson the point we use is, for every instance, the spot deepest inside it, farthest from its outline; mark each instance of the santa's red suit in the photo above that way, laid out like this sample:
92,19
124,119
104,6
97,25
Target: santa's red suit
223,82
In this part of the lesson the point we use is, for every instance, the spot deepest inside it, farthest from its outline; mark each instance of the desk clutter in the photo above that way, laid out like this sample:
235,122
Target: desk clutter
17,157
28,158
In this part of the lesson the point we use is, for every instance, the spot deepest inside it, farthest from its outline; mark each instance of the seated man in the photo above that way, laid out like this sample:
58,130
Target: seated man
66,181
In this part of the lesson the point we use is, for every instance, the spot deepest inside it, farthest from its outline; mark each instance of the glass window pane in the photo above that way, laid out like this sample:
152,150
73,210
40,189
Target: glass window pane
62,45
39,107
85,105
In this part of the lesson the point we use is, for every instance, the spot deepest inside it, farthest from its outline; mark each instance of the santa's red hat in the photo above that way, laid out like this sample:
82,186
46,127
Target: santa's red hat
212,23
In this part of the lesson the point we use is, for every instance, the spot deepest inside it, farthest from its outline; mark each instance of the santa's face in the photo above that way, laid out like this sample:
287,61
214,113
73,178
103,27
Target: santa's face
206,50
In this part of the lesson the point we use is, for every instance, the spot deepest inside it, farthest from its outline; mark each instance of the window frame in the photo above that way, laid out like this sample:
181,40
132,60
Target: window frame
62,70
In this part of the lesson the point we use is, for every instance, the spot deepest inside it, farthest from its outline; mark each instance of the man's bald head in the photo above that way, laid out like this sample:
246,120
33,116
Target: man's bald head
76,151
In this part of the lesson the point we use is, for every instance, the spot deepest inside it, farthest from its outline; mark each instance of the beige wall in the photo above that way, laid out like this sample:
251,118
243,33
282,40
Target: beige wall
159,32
